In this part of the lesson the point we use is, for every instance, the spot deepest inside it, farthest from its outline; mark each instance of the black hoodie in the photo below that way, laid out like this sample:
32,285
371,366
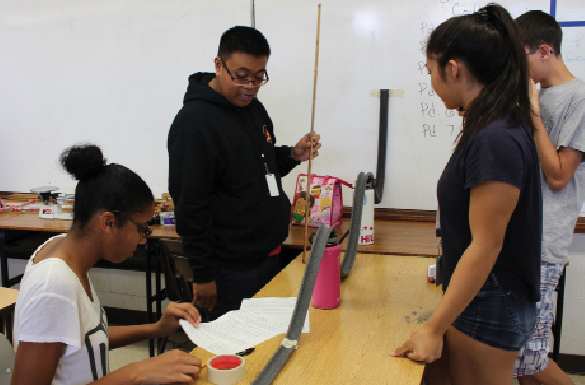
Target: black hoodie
223,209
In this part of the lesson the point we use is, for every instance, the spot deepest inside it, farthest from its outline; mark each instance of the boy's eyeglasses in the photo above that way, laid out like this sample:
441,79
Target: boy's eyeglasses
145,231
241,81
534,50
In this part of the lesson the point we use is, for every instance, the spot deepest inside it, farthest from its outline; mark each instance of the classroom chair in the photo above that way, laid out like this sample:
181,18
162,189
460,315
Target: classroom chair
178,277
177,273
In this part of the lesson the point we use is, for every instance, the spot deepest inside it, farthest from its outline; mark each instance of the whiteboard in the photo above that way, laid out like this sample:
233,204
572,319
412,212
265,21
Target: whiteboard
111,72
115,72
365,46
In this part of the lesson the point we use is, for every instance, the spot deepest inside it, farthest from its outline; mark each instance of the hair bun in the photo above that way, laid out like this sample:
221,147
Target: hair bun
83,161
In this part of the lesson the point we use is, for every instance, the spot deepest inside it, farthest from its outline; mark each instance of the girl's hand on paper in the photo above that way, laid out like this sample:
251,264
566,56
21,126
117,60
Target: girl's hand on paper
169,322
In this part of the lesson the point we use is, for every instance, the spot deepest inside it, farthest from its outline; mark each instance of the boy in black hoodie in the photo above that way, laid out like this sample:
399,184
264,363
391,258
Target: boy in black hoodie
225,176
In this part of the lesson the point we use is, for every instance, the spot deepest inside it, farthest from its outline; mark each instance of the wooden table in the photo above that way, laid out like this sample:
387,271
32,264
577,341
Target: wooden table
32,222
24,222
392,237
382,301
7,302
400,238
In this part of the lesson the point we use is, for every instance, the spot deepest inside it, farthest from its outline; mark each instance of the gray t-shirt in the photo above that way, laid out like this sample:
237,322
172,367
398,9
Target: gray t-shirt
562,110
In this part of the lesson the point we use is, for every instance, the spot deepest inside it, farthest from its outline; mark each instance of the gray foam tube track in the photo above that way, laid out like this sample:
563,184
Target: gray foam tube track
355,225
273,366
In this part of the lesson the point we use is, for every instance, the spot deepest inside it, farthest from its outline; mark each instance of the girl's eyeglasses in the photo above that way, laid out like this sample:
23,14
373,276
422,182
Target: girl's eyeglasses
145,231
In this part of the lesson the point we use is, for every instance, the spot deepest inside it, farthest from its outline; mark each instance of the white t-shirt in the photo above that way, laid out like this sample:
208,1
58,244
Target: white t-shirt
52,306
562,110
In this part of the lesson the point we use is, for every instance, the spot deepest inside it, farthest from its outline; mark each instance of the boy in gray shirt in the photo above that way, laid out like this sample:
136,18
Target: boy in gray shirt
559,119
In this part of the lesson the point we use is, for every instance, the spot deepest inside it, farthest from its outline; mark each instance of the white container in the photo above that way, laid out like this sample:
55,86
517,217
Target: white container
367,229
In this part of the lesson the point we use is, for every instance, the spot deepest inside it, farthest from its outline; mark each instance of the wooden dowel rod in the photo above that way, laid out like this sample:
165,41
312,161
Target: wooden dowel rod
308,200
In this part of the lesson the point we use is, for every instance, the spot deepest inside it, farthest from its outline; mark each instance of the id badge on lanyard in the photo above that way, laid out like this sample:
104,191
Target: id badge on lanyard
270,180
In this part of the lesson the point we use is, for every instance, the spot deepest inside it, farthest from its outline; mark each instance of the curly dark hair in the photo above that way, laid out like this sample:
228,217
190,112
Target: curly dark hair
103,186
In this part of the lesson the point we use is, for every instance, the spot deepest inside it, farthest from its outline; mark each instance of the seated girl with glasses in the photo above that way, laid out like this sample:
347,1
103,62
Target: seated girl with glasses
61,331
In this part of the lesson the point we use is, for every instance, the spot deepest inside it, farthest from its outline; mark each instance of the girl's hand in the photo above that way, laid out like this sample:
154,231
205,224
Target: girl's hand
169,322
171,367
423,345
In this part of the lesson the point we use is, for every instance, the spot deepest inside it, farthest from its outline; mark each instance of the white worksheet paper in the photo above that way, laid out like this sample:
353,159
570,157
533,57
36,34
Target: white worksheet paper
258,320
280,307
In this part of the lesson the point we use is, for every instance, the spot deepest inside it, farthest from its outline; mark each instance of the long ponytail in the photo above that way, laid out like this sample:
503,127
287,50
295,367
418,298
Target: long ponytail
489,44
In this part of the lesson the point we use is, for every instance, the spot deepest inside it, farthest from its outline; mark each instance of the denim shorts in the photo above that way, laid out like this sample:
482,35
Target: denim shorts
496,319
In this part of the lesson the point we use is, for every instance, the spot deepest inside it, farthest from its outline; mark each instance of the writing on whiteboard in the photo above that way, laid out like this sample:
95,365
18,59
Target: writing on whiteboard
431,107
573,50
